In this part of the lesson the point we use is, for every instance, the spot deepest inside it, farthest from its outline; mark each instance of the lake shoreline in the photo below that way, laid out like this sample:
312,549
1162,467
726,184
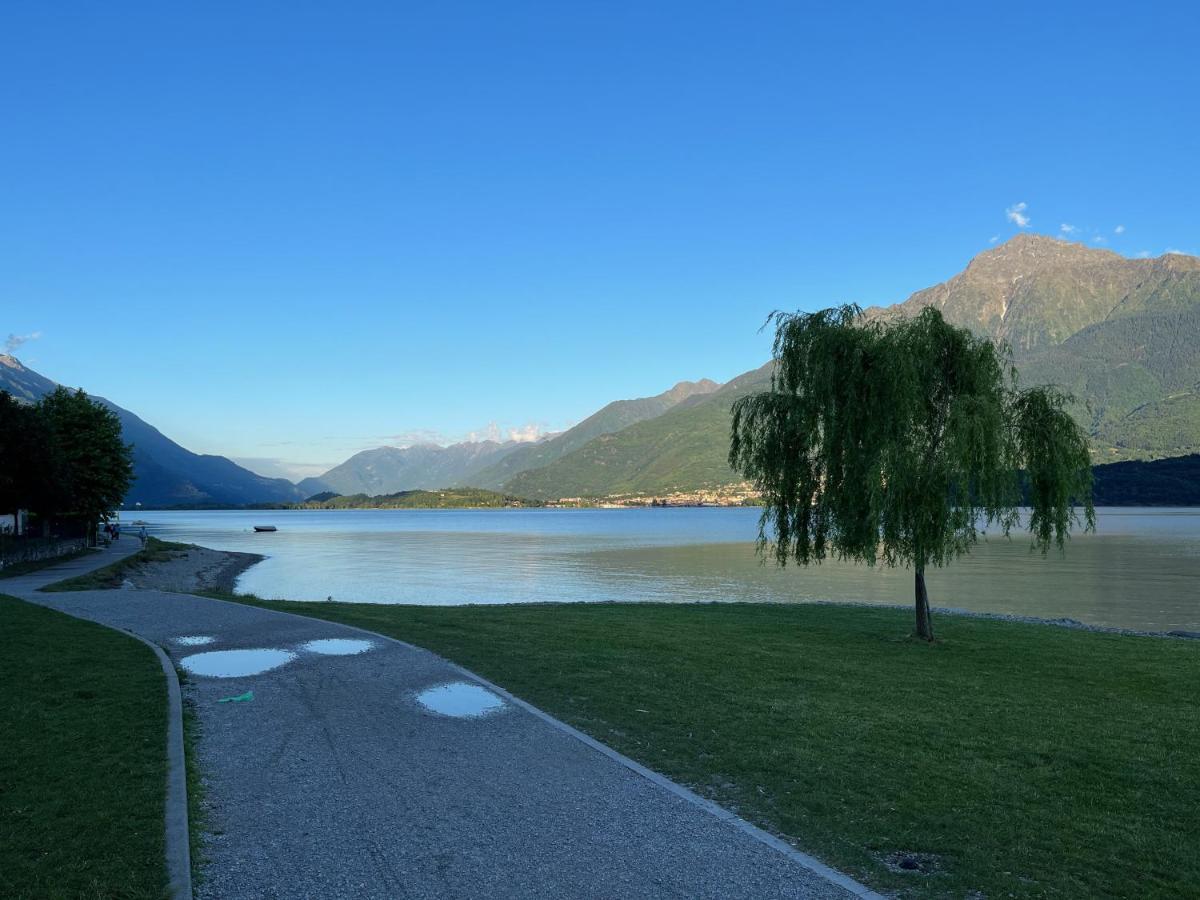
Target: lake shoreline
196,569
217,571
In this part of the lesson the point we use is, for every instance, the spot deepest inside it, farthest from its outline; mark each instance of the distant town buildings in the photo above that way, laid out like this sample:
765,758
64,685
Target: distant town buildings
742,494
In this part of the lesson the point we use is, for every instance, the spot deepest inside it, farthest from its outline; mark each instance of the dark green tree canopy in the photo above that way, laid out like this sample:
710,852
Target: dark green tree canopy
26,479
895,441
93,466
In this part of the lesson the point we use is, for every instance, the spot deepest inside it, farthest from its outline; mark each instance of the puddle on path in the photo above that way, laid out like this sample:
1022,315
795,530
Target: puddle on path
235,663
337,646
460,699
194,640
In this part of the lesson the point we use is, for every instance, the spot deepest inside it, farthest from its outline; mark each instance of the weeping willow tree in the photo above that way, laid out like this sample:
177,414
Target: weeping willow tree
896,442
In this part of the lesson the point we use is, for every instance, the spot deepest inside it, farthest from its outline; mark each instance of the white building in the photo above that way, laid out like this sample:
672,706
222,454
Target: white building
13,524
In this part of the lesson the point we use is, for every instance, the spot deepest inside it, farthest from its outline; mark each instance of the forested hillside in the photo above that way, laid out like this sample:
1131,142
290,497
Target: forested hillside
612,418
683,449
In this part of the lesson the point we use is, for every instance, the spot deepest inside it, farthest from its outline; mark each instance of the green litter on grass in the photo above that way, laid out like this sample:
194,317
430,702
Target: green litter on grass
249,695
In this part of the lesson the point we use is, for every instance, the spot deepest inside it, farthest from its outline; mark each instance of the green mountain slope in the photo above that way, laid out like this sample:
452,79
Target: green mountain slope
1035,292
1122,334
612,418
682,449
1136,379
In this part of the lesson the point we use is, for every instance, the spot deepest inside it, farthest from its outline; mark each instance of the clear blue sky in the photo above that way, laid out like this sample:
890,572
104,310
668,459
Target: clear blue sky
292,231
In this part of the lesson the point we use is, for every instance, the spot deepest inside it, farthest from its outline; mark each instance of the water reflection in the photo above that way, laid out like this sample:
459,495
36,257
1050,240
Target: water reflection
337,646
235,663
460,699
1140,571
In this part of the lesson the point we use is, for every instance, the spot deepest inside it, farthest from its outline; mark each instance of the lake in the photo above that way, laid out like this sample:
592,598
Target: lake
1141,569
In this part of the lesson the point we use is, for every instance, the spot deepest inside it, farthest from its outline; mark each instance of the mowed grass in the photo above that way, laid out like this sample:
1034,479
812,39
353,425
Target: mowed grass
1024,760
83,715
111,576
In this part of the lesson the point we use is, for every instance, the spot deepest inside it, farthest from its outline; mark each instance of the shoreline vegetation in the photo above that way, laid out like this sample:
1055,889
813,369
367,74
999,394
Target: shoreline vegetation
1170,482
829,726
168,566
477,498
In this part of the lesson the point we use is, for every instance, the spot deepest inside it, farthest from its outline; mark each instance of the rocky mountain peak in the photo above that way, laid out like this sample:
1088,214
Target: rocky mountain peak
684,389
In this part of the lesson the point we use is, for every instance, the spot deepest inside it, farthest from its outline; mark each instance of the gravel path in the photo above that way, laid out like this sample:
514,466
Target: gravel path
334,781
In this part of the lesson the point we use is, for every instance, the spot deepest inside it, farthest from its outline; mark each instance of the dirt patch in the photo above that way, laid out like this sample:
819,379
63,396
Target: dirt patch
194,569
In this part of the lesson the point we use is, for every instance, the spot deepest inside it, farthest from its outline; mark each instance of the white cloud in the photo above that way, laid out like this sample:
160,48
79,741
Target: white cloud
1067,229
531,431
1016,214
493,431
14,341
993,239
1175,251
1099,239
1120,229
1144,254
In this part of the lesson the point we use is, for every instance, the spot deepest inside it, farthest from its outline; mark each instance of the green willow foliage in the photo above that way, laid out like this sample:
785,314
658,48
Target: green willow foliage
895,441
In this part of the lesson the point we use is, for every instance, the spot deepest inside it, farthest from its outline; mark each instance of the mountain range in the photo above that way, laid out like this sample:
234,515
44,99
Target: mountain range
388,470
166,474
1122,335
488,464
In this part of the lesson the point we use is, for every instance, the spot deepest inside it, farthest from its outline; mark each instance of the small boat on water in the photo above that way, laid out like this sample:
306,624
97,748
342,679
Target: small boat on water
265,528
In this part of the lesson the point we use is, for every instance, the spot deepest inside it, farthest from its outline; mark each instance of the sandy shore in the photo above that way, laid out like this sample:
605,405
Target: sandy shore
196,569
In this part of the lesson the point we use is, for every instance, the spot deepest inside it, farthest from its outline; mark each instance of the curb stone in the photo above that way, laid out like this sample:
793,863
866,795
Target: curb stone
178,849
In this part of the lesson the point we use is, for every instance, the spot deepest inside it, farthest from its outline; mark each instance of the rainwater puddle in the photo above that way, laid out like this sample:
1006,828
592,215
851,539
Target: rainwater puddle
235,663
194,640
337,646
460,699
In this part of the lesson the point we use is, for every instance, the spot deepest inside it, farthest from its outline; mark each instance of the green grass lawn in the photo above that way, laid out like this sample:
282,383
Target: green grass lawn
83,761
112,575
1024,760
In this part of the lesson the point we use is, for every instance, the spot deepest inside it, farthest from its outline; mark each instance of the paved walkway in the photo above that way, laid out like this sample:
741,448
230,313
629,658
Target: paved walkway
335,782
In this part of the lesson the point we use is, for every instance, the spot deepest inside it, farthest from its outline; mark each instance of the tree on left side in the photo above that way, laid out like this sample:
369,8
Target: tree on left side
92,466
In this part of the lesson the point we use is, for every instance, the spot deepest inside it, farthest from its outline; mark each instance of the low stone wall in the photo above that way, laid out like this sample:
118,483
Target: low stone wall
20,550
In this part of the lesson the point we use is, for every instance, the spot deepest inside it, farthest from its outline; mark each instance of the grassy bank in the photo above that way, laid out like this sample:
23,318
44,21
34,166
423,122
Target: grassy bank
111,576
1011,759
36,565
83,770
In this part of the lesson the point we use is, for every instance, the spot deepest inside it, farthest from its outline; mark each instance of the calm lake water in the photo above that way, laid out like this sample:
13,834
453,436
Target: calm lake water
1140,570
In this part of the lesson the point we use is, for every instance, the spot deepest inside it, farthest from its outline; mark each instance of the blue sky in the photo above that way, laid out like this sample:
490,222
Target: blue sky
286,232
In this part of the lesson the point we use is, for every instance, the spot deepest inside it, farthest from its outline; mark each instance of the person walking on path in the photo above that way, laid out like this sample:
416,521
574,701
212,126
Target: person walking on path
142,535
116,531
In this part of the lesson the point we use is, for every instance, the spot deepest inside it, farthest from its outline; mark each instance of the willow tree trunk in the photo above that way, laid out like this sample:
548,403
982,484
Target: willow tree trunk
924,622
